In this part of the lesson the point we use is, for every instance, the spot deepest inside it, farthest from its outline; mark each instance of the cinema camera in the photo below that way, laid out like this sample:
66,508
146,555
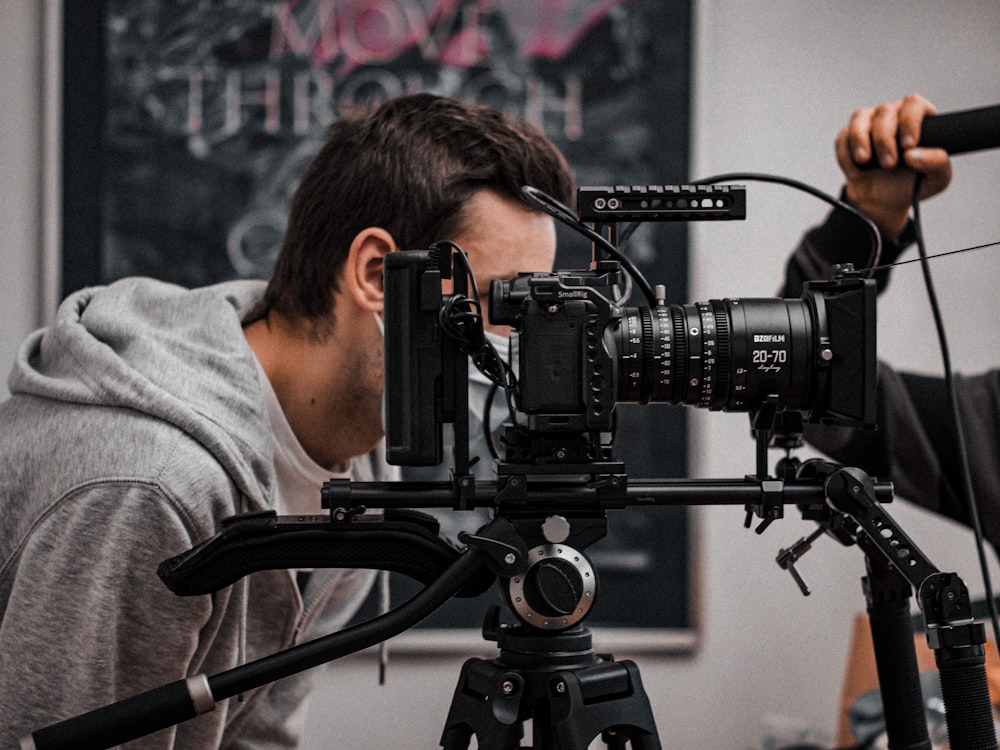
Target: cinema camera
581,351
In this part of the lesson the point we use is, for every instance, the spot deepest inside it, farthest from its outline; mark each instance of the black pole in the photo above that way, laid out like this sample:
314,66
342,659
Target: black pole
888,594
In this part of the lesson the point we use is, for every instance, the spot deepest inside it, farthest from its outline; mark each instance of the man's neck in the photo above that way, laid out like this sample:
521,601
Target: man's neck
311,376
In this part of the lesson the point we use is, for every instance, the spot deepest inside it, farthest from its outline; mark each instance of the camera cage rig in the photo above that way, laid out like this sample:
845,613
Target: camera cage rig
548,505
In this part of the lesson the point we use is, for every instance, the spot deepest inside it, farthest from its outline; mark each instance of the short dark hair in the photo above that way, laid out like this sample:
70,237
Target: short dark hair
407,166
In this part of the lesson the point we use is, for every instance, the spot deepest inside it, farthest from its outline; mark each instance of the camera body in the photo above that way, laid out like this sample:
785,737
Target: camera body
582,352
568,369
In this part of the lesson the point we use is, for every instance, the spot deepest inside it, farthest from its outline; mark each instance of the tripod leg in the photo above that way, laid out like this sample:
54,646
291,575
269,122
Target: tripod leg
482,706
606,700
456,738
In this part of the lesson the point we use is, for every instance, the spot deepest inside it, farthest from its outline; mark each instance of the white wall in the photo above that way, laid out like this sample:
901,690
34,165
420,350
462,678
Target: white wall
774,81
21,159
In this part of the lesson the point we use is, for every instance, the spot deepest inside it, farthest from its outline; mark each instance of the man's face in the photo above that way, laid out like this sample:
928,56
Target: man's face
503,237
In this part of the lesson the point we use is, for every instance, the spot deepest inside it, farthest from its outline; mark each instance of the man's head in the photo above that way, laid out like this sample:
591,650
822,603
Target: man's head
408,167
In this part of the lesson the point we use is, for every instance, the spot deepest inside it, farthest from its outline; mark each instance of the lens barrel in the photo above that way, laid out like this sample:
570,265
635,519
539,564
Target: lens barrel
728,354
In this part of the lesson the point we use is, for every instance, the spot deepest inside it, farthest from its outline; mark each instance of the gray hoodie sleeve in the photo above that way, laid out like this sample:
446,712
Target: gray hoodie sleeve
93,598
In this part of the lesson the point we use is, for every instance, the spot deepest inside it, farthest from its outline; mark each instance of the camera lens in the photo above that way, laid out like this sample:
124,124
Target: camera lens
726,354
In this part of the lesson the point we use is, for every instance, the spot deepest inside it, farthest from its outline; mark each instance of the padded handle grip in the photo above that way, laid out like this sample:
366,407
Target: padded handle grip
127,719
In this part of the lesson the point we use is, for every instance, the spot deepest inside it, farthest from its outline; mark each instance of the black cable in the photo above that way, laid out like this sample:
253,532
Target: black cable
563,213
487,427
963,454
876,237
945,254
461,319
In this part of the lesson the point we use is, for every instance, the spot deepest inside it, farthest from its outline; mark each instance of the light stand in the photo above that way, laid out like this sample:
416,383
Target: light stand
896,567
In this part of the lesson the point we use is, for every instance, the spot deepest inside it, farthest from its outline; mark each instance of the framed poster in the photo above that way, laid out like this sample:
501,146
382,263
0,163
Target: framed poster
187,125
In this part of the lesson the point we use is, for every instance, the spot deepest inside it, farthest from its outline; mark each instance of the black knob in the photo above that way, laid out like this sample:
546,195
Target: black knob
554,588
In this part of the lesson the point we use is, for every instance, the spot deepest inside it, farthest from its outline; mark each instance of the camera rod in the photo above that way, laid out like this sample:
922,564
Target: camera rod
955,637
599,493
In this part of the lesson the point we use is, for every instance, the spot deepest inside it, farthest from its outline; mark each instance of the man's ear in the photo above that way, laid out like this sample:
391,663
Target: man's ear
363,270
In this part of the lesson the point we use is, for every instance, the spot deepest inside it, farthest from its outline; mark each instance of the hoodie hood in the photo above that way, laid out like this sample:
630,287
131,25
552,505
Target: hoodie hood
175,354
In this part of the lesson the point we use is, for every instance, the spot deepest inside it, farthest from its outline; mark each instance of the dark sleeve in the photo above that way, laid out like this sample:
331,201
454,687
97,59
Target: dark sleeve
915,445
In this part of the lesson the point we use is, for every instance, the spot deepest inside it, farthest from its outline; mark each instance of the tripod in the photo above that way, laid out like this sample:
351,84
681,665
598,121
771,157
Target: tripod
547,670
571,694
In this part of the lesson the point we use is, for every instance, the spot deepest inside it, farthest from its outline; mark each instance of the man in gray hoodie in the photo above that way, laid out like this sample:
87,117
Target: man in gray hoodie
147,413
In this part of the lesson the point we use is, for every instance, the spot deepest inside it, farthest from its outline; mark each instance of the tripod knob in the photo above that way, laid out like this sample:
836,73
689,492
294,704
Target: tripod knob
557,590
553,587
